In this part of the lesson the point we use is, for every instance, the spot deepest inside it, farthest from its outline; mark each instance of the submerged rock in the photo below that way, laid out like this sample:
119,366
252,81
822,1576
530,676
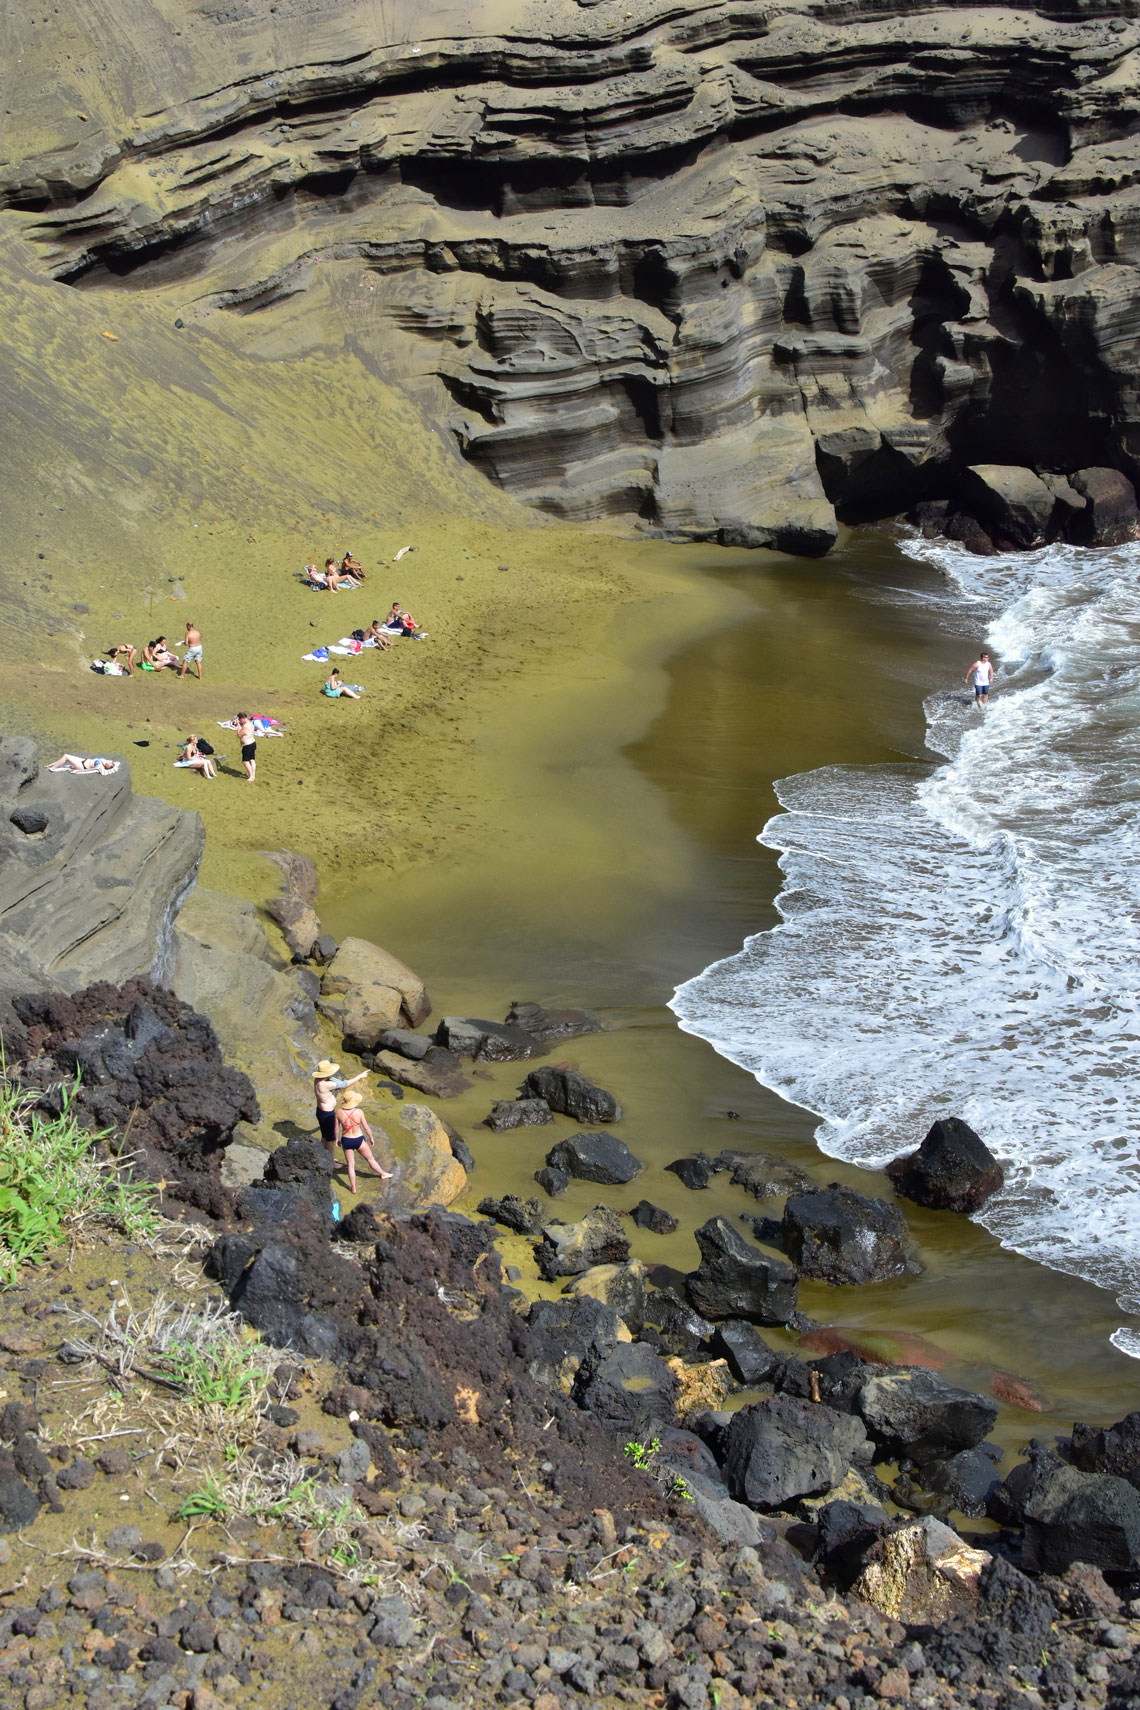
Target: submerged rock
571,1094
597,1157
486,1041
763,1174
519,1113
838,1236
953,1170
737,1280
653,1217
694,1172
550,1025
551,1181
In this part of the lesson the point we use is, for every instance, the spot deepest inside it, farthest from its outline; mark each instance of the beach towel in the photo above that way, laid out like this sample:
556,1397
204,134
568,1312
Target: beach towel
402,551
320,654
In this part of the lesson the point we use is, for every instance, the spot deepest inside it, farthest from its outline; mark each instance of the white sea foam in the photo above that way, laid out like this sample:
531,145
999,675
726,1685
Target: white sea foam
966,940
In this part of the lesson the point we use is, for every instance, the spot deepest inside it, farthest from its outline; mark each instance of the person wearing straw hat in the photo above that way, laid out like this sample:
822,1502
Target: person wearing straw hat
354,1134
326,1084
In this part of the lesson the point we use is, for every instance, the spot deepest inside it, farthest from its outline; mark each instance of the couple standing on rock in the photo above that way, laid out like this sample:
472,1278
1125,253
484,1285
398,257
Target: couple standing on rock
347,1126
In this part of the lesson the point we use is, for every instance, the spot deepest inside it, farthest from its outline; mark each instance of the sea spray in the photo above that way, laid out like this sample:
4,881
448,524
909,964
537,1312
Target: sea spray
965,938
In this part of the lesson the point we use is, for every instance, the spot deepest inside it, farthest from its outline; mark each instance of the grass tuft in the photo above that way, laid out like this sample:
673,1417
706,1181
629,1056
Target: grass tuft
54,1186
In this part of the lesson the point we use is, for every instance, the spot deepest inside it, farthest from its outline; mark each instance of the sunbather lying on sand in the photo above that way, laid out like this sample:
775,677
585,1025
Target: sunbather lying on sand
82,763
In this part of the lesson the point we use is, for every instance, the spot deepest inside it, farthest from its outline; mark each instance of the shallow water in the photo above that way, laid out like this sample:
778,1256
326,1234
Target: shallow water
624,860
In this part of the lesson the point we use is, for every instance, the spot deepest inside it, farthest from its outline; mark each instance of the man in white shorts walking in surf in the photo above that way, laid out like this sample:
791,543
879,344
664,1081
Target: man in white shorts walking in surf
982,673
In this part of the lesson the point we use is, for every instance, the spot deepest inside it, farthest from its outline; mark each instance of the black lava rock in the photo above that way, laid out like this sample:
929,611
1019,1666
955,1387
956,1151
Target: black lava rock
653,1218
780,1449
599,1157
915,1412
695,1171
737,1280
571,1094
839,1236
518,1113
749,1356
953,1170
553,1182
524,1216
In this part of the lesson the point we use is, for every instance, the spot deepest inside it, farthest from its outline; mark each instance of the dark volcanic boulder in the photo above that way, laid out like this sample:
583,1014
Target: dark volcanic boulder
953,1170
966,1480
553,1182
597,1157
549,1025
915,1412
571,1094
564,1332
696,1171
846,1533
524,1216
780,1449
414,1046
1071,1516
436,1073
19,1503
1110,515
1014,504
674,1326
838,1236
737,1280
653,1217
1115,1450
749,1356
763,1174
568,1249
518,1113
301,1170
485,1041
630,1391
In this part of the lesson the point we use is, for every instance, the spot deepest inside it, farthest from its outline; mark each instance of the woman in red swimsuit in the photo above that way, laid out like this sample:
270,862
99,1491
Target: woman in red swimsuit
354,1134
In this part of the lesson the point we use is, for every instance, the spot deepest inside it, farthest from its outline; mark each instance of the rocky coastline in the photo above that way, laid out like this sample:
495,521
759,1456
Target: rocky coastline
553,1503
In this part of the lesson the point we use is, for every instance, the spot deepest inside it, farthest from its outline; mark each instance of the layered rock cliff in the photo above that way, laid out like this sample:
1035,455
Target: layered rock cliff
736,269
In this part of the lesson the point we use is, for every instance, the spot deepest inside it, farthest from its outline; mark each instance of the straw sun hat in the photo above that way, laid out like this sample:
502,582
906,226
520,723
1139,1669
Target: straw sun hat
325,1068
351,1099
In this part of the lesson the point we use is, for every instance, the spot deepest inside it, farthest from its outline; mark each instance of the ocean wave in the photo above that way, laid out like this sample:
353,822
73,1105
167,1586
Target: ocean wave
966,939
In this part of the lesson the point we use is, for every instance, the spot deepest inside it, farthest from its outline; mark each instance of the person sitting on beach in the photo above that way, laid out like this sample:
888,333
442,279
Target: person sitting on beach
128,651
316,578
190,755
377,633
334,688
393,623
350,566
157,655
335,578
80,763
354,1134
409,626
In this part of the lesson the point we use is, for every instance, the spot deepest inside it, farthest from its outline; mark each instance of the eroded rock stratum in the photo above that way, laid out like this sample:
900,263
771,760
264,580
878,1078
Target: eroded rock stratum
735,269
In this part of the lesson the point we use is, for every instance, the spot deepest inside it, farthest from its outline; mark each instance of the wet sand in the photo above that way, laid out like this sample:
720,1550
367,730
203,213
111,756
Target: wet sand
620,858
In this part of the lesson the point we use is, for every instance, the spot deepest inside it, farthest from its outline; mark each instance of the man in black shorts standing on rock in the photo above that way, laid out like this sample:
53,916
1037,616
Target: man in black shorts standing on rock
247,736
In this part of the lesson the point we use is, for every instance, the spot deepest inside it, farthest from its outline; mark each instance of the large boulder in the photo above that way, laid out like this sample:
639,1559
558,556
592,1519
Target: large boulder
518,1113
431,1174
630,1391
915,1412
965,1480
838,1236
653,1217
922,1573
780,1449
599,1157
571,1094
1110,516
563,1332
298,922
524,1216
1013,503
568,1249
1071,1516
1115,1449
437,1073
695,1171
737,1280
619,1286
674,1326
366,990
486,1041
953,1169
550,1025
751,1359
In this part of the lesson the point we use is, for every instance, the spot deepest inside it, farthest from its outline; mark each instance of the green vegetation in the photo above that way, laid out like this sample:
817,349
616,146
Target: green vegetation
224,1373
53,1186
642,1456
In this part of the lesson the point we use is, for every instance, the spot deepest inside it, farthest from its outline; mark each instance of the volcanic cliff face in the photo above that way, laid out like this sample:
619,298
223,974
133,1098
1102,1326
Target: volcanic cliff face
733,268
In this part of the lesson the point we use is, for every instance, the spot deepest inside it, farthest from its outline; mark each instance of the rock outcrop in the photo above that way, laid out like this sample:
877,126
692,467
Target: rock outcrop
737,272
91,876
